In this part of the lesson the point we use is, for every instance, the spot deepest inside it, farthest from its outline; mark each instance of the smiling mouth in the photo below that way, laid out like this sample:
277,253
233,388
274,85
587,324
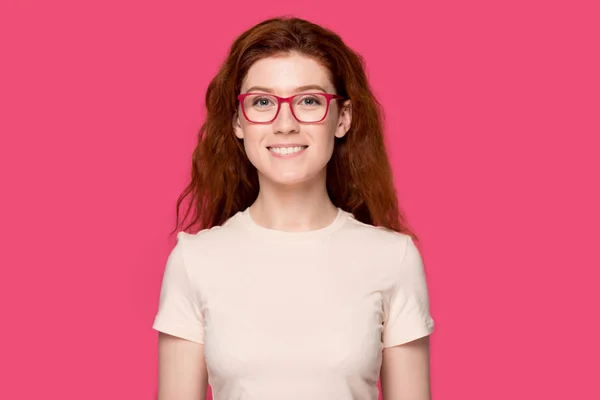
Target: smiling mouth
286,150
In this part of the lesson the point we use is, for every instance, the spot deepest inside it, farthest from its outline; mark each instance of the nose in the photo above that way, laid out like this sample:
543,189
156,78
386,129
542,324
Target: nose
285,121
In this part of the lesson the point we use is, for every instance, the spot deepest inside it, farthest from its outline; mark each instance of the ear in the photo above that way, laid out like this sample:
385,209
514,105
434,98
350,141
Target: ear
237,127
344,120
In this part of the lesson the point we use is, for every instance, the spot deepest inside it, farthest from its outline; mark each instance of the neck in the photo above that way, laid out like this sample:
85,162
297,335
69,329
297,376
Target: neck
296,208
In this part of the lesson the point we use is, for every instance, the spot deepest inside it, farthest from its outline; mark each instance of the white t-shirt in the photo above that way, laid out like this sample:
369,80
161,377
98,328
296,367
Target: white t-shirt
294,315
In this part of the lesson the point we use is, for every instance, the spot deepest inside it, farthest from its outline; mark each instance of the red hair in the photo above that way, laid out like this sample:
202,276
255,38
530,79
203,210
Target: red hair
359,174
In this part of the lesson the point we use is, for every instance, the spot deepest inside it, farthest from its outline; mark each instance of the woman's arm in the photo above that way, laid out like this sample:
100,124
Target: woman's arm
405,371
181,369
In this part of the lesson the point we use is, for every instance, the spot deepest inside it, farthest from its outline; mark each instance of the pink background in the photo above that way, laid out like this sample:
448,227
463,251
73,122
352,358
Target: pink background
493,123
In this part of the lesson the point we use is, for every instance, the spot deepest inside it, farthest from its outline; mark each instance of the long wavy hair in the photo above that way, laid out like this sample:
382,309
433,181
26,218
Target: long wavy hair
359,175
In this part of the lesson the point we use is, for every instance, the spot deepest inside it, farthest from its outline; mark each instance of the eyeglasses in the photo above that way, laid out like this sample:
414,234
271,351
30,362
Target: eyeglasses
262,108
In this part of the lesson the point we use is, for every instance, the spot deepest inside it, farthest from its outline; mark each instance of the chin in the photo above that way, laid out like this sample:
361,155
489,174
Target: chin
289,179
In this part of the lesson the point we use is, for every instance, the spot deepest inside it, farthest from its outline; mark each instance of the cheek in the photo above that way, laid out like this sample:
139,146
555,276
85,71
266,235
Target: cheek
324,141
252,143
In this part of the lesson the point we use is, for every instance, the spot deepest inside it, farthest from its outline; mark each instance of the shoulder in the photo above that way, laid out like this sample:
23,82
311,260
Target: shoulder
376,237
379,254
210,240
377,248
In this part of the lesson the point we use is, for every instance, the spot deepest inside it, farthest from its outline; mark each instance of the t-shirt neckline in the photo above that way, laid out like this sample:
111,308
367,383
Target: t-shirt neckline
249,223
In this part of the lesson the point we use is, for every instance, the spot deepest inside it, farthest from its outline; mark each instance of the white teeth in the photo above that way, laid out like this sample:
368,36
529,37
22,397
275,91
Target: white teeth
287,150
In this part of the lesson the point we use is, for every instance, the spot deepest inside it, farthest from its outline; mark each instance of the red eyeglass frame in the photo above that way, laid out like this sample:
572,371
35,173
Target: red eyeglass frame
289,99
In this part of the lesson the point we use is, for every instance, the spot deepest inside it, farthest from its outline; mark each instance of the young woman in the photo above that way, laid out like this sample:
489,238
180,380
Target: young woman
302,280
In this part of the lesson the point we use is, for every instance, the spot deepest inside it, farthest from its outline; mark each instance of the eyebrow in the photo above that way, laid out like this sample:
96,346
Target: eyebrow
298,89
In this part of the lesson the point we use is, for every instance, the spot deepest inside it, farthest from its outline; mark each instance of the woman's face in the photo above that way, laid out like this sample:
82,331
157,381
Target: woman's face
287,151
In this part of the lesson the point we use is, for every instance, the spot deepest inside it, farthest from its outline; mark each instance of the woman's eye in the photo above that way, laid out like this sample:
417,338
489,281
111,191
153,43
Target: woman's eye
262,102
309,101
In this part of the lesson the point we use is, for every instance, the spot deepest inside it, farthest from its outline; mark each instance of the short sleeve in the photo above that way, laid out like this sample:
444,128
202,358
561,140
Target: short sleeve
178,311
407,315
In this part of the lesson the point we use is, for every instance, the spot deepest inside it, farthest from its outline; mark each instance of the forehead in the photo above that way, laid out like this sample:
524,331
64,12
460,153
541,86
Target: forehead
283,74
